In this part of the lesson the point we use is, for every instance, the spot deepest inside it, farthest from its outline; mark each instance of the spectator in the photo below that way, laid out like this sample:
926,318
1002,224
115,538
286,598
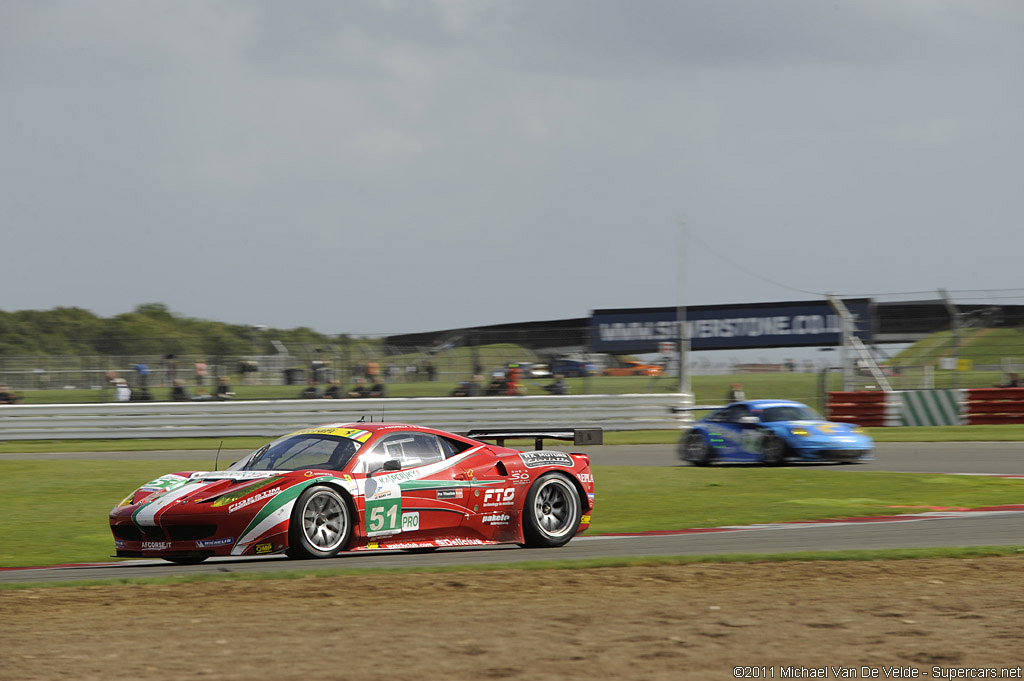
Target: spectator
171,367
310,392
7,397
470,388
143,374
178,392
223,389
512,375
497,384
201,371
359,390
736,393
122,393
377,389
558,386
333,391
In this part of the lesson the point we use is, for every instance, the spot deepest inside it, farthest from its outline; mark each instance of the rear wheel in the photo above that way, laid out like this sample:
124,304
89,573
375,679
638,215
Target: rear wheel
320,525
697,450
551,513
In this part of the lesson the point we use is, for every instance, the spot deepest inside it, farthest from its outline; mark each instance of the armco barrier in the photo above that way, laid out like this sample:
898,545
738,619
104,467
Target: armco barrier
868,408
900,408
270,418
995,406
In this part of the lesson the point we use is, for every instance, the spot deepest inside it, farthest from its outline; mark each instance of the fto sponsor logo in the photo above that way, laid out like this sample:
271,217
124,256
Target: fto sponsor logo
545,458
500,497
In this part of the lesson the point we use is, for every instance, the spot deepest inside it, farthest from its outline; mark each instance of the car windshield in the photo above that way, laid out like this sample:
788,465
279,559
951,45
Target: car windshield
297,452
790,413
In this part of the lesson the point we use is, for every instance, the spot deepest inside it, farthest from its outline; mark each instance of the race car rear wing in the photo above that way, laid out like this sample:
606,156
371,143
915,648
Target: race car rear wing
699,407
579,436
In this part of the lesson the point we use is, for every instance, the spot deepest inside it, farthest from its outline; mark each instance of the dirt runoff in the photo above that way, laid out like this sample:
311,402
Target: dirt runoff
782,620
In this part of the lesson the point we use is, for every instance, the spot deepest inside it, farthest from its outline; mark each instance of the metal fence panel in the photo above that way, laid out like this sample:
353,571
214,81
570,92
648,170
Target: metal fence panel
269,418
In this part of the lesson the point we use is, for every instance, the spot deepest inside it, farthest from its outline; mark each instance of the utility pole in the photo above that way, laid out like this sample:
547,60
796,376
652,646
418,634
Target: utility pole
954,327
684,336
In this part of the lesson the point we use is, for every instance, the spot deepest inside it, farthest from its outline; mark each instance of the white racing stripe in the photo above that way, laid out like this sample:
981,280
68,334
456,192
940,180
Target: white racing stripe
147,515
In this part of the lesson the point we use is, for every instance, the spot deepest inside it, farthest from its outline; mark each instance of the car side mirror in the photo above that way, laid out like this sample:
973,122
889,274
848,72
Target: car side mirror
387,466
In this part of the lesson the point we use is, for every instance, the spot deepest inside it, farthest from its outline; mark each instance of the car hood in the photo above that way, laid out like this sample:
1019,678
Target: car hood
823,428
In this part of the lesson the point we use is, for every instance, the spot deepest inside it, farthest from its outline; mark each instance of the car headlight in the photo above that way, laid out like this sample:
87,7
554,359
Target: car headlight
801,432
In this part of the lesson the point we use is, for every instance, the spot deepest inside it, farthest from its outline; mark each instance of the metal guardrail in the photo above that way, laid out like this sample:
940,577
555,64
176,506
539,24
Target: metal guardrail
269,418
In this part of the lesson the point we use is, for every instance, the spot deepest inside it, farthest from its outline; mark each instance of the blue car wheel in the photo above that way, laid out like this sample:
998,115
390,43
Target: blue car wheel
697,450
773,450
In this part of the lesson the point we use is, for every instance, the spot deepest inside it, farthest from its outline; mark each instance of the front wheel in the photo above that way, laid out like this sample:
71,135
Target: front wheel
551,513
774,451
320,525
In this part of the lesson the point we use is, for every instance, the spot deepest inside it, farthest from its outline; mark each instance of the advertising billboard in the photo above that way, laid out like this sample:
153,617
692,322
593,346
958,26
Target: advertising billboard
726,327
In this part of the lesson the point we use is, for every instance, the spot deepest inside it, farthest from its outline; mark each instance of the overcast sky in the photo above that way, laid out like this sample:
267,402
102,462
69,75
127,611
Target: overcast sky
395,166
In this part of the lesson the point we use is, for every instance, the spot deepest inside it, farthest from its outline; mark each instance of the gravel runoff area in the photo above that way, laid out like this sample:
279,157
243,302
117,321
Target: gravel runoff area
696,621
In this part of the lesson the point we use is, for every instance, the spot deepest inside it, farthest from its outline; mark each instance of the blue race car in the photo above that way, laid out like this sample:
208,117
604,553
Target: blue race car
771,432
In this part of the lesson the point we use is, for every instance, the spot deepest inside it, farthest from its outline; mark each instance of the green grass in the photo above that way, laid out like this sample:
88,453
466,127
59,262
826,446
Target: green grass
57,513
632,498
980,346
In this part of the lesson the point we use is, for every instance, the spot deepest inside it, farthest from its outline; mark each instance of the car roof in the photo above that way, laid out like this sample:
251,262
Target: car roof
365,431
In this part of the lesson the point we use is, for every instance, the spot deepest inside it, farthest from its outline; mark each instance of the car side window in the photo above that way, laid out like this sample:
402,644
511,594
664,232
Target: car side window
410,449
729,414
739,411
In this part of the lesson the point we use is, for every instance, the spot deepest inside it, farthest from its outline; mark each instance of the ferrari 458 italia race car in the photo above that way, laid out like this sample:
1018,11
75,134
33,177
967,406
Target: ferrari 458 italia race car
772,431
361,486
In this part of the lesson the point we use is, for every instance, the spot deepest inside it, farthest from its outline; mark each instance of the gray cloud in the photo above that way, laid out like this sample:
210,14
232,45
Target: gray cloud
399,166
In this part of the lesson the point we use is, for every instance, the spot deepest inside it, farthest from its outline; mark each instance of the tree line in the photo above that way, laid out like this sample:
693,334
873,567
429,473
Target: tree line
149,329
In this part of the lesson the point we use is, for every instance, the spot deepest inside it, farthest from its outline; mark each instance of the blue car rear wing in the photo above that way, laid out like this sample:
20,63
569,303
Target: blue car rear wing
711,407
579,436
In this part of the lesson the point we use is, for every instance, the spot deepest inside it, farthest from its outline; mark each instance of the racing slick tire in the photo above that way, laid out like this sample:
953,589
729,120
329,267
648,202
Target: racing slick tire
696,450
773,450
321,524
551,514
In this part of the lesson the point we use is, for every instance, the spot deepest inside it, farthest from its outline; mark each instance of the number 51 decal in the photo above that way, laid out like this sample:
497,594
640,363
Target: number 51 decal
383,512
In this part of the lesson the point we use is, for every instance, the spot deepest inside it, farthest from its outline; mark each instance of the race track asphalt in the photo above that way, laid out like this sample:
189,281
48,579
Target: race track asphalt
973,529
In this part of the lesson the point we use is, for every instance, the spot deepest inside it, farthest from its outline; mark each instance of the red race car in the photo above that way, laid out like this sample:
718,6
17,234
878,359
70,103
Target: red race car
361,486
